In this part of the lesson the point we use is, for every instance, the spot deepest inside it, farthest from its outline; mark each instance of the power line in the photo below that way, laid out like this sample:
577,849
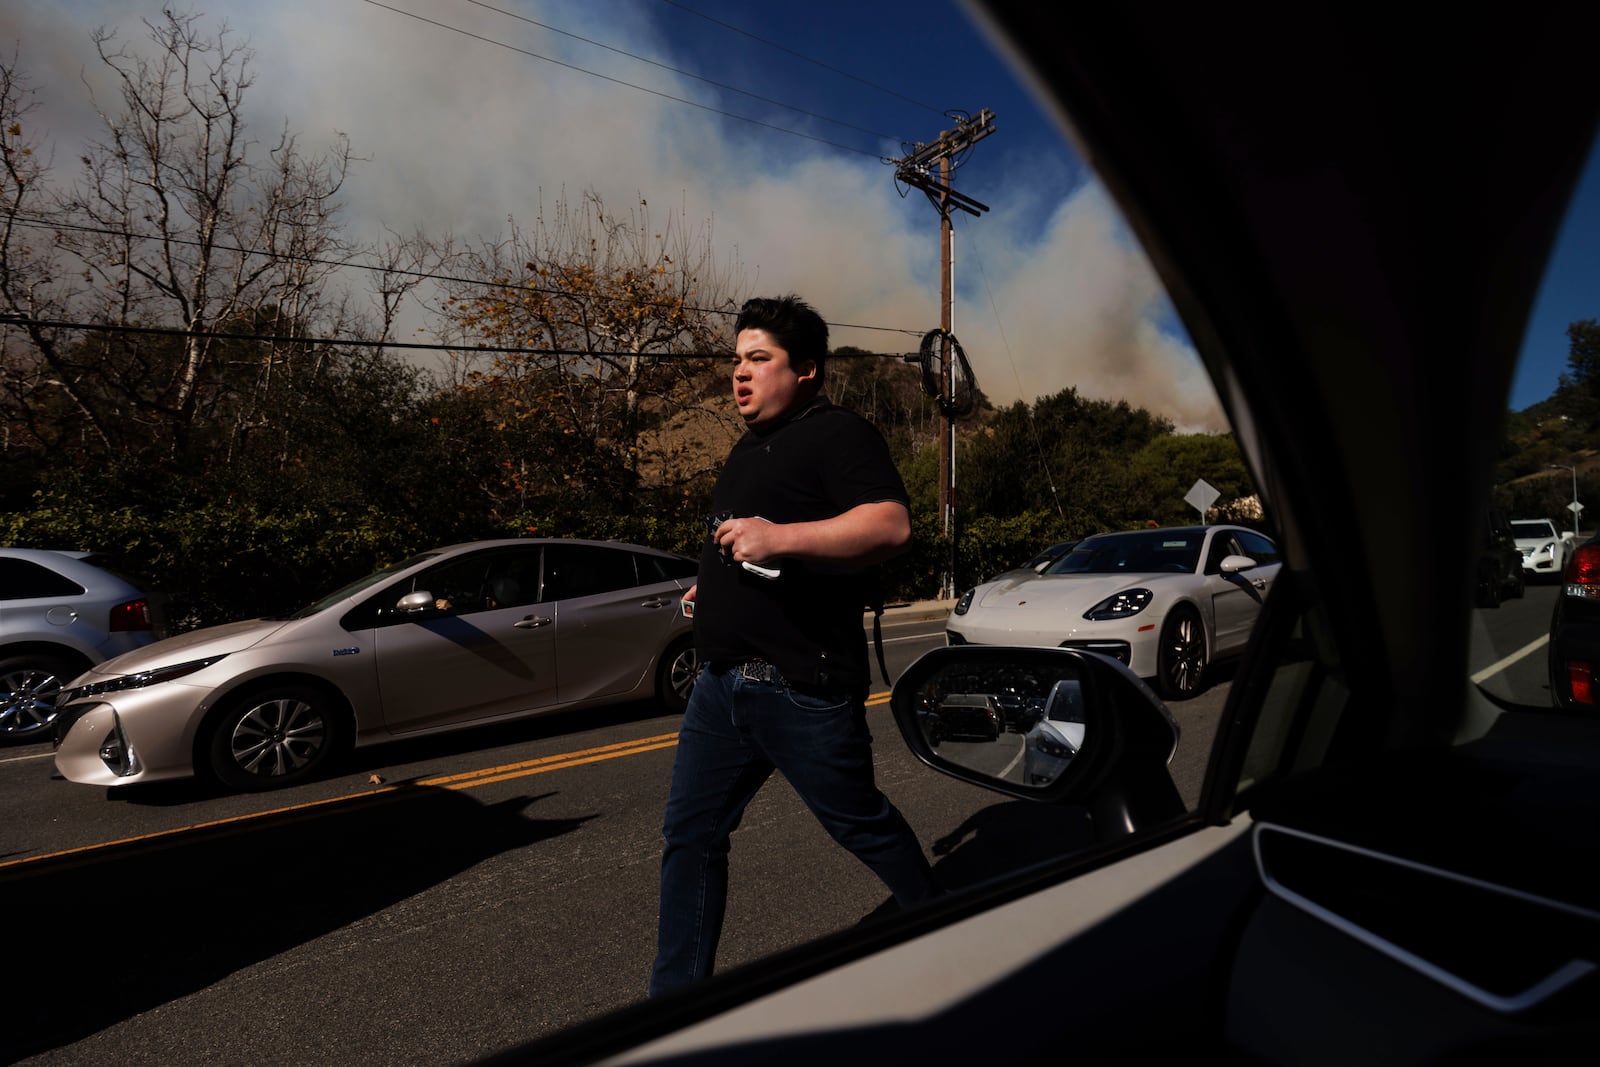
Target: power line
619,81
45,224
7,319
798,55
684,73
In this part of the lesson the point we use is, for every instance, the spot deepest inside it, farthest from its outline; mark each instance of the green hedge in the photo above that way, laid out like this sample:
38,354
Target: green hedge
221,562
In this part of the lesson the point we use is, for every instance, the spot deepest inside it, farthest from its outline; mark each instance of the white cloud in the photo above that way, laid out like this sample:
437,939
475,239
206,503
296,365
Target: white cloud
460,134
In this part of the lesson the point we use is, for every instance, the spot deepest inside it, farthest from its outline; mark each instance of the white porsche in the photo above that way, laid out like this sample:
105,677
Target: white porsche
1167,602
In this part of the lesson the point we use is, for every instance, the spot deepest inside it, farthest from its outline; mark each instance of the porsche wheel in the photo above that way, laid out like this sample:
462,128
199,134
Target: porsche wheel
1181,655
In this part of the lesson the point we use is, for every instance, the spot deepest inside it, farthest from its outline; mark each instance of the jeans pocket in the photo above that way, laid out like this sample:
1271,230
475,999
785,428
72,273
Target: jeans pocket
818,704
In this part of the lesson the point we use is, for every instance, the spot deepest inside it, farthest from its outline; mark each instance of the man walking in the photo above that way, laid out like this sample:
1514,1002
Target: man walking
807,500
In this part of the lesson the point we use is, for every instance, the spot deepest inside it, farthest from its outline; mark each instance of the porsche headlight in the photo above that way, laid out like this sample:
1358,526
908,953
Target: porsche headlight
1120,605
965,602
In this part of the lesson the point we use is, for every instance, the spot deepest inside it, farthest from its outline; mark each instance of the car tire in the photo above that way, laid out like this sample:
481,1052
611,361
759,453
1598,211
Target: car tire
680,667
1181,655
1488,587
274,737
29,684
1519,585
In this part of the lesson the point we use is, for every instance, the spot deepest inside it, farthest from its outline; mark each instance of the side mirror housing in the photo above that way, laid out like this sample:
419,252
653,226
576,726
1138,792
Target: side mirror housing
413,603
1075,727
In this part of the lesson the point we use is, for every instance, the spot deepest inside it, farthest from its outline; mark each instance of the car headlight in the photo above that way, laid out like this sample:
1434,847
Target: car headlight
1051,747
1120,605
965,602
137,681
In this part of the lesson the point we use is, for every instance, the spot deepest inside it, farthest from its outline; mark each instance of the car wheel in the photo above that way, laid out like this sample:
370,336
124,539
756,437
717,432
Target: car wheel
680,666
1519,585
1488,587
274,737
28,689
1181,655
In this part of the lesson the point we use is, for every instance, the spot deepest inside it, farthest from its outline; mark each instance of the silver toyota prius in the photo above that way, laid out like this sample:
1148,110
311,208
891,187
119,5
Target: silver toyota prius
454,637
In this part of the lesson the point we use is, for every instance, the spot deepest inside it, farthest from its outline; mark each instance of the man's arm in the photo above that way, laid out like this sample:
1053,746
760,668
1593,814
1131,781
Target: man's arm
860,537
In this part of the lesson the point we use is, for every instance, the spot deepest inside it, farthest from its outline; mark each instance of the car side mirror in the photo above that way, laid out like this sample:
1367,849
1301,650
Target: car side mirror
413,603
1055,725
1235,564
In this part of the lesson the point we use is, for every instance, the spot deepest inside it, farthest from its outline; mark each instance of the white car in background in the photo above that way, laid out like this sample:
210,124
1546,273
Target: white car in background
1164,601
1544,549
1052,742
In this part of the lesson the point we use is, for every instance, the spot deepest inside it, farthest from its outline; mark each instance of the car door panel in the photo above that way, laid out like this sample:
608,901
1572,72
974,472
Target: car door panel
461,668
601,638
1236,601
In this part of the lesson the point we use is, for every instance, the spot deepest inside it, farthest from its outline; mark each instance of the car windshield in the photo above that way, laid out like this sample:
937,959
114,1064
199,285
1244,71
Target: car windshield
344,592
546,357
1131,553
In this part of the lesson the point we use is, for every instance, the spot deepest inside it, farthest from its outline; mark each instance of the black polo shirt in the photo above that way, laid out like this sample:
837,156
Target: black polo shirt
815,464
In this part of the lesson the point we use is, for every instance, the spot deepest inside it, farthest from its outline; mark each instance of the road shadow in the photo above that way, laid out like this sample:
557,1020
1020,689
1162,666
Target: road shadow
122,930
997,840
1008,836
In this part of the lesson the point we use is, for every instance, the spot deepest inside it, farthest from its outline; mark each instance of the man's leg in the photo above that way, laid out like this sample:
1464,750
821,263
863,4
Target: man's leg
714,775
822,746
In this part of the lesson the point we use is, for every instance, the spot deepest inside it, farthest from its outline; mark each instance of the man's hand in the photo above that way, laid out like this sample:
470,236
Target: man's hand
752,540
866,534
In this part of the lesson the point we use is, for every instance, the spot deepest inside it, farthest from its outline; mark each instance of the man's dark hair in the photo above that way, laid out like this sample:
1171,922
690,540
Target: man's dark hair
792,322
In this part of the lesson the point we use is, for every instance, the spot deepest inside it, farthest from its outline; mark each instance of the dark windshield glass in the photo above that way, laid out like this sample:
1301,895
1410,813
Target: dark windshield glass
1136,552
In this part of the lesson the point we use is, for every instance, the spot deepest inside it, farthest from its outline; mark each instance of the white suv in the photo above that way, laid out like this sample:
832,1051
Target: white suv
60,614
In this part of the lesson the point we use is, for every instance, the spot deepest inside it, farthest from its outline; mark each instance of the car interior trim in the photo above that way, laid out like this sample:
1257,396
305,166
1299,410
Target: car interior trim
1352,880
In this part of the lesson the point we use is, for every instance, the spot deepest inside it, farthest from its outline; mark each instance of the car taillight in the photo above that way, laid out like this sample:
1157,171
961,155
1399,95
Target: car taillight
1579,677
1583,573
134,615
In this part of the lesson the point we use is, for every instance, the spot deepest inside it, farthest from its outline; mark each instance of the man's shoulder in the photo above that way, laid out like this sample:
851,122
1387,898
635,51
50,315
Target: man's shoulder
834,417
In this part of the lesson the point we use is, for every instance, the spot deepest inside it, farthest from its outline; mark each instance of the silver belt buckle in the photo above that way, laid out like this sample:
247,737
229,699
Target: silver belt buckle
756,670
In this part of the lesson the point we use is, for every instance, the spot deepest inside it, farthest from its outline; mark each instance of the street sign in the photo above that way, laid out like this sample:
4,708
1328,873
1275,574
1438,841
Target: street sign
1201,496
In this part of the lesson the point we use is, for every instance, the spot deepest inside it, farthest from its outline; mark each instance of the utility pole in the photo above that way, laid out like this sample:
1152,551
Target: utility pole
917,169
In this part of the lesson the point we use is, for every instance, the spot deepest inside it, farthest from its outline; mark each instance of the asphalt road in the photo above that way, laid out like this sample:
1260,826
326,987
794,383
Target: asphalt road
447,898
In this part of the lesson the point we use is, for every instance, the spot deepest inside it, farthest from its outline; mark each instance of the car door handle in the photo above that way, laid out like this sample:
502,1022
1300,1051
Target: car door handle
1260,583
532,622
658,602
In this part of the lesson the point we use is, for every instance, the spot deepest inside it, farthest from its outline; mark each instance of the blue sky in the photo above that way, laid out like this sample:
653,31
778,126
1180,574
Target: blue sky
1571,292
471,116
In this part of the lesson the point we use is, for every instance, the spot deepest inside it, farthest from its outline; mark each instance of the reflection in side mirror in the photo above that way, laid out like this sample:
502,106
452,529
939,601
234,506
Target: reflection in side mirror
412,603
1021,727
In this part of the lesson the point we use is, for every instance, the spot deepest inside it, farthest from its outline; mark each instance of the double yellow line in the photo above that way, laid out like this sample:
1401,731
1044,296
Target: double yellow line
465,780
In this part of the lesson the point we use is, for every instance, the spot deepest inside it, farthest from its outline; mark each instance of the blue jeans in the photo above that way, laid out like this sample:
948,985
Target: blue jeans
736,731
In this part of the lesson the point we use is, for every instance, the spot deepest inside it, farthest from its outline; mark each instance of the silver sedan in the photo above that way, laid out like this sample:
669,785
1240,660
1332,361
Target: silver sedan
454,637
